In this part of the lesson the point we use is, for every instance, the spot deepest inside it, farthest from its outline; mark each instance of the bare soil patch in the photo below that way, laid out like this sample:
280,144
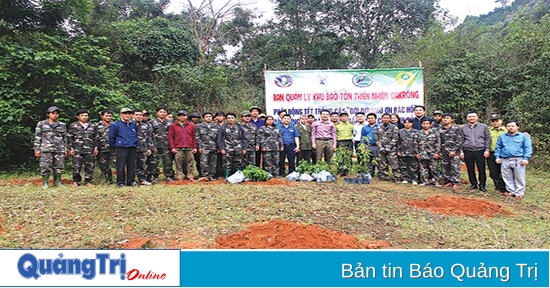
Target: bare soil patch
281,234
181,242
270,182
37,182
459,206
2,231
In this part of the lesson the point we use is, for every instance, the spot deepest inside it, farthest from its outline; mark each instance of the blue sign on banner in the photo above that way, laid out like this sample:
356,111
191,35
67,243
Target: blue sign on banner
345,268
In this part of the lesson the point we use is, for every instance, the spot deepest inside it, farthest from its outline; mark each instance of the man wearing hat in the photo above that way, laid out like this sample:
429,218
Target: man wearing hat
452,138
160,132
344,132
438,117
256,120
49,146
495,174
123,136
251,135
82,143
182,142
195,117
207,134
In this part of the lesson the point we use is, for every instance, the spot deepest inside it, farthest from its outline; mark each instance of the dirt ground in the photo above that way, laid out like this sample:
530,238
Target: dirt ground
458,206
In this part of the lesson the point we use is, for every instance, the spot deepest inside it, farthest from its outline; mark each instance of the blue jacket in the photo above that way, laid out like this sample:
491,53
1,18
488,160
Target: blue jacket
367,134
517,145
123,135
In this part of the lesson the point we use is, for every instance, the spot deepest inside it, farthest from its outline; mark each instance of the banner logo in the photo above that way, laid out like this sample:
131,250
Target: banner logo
362,80
283,81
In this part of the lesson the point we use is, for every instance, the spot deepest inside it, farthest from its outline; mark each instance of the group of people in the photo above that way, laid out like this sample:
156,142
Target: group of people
217,146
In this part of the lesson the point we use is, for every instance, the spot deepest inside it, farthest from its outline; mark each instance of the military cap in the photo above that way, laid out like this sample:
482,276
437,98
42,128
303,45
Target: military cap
182,112
194,115
255,107
52,109
495,117
126,110
438,112
245,113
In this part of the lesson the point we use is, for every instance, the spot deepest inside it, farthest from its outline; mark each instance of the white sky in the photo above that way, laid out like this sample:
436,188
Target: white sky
459,8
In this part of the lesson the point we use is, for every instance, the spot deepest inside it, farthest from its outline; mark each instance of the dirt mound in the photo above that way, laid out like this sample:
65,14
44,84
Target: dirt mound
281,234
2,231
458,206
270,182
37,182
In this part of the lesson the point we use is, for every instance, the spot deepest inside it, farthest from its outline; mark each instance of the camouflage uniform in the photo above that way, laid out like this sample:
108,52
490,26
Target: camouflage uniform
451,141
160,133
207,135
83,140
386,140
106,156
219,156
270,139
408,163
50,141
428,145
145,142
233,140
251,134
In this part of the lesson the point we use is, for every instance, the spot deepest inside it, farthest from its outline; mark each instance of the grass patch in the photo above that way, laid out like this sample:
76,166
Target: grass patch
103,216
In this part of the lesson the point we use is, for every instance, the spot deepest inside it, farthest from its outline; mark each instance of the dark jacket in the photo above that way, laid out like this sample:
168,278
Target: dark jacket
182,136
123,135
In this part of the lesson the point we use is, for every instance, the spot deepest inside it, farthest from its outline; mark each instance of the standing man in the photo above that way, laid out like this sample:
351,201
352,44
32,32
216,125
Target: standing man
357,128
160,132
513,150
220,121
310,121
496,130
438,118
428,149
151,159
232,142
182,142
123,136
406,153
334,118
476,147
291,146
451,146
368,138
145,146
420,115
106,156
255,119
252,137
305,140
344,132
323,137
195,117
207,134
386,137
82,143
49,146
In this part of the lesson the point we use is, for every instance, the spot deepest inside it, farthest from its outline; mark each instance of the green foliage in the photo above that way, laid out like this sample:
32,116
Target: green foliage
342,159
363,154
255,174
305,167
